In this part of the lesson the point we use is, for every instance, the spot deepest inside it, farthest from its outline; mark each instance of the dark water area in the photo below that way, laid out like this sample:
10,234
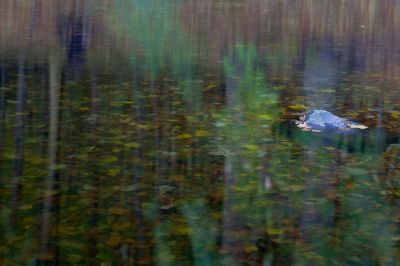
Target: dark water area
161,132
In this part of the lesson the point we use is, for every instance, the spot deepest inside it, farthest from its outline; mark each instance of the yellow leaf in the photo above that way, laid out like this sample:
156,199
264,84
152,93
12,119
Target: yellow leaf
250,147
264,117
37,161
297,107
184,136
396,238
177,177
74,258
395,114
141,126
182,230
165,256
114,240
273,231
239,189
211,86
68,230
25,207
132,145
130,241
84,109
110,159
250,248
201,133
116,210
112,172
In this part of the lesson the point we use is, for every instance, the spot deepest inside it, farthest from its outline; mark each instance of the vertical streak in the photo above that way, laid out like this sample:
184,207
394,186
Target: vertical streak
2,98
18,141
54,87
94,212
140,251
229,223
2,109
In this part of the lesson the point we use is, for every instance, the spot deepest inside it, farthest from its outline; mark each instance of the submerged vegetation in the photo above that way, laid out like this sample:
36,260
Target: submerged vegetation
159,132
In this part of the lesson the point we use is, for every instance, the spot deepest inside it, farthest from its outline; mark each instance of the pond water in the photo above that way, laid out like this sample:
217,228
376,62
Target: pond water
161,132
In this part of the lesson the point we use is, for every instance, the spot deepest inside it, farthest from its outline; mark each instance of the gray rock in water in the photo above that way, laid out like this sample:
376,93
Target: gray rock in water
321,120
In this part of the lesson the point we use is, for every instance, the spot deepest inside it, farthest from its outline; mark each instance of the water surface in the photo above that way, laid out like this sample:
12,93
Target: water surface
159,132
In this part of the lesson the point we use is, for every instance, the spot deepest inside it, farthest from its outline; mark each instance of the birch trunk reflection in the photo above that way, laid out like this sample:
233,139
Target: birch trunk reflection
18,141
138,172
2,109
2,99
230,223
245,123
54,87
94,195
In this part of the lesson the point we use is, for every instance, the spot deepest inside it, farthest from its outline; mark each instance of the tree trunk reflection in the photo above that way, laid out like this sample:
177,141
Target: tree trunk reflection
54,88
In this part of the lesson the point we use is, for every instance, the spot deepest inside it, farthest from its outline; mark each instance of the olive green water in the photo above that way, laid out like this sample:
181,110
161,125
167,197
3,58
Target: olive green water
160,132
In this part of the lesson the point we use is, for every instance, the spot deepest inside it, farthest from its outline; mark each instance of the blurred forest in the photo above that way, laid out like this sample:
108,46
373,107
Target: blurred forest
159,132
